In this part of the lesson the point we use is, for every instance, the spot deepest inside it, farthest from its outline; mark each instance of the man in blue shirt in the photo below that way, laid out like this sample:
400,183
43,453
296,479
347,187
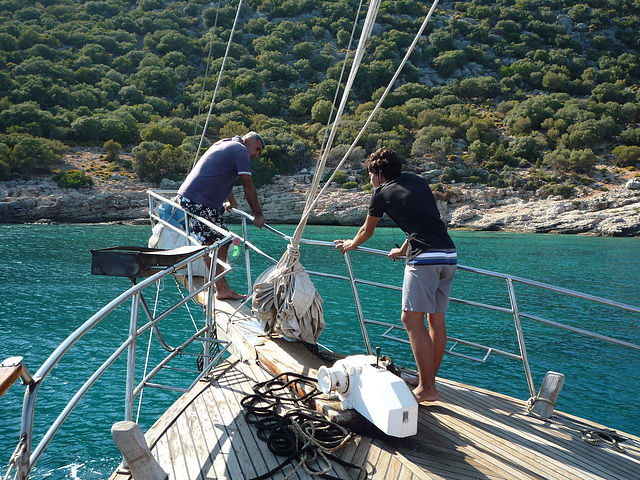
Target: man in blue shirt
431,260
208,192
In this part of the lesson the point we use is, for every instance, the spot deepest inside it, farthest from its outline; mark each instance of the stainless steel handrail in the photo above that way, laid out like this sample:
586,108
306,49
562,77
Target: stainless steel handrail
134,294
513,310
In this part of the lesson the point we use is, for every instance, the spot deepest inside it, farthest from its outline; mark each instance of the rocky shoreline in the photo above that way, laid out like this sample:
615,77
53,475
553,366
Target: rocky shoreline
120,198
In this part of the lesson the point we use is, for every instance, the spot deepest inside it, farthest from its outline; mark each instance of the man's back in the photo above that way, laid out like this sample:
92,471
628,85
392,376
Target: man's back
212,178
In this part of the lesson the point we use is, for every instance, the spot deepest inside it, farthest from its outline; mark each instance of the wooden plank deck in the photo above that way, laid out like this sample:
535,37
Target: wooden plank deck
470,433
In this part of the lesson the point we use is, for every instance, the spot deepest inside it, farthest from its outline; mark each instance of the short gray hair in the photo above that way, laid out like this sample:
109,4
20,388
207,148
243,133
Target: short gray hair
253,135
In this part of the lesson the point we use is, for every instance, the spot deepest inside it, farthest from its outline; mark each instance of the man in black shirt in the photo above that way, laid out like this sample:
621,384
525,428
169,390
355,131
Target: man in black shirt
431,260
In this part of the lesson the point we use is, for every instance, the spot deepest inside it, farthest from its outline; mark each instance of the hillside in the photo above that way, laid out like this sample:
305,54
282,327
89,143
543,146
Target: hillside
116,196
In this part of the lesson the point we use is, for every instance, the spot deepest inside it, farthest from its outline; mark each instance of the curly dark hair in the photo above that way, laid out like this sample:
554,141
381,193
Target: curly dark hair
385,162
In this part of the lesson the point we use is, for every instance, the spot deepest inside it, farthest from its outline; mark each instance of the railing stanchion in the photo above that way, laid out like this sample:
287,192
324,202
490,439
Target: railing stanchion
211,291
131,358
520,334
356,298
247,256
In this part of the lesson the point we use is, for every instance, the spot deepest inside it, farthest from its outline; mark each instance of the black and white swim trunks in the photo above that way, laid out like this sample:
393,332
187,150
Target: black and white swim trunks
204,234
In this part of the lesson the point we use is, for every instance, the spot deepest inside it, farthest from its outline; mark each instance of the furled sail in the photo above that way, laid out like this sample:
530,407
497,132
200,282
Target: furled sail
285,300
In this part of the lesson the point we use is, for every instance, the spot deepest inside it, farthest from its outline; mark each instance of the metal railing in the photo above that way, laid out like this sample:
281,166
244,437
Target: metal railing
23,461
513,309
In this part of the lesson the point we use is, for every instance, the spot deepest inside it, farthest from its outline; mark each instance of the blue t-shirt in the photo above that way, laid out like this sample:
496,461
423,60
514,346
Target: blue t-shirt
212,178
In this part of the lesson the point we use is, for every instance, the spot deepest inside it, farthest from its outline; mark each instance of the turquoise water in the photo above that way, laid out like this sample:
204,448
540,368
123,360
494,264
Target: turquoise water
47,291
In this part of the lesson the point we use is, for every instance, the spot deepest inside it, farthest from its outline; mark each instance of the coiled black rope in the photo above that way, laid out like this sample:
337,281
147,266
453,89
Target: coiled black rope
590,436
291,429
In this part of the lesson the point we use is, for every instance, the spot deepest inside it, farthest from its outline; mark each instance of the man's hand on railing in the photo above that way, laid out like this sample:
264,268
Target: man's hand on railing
395,253
258,220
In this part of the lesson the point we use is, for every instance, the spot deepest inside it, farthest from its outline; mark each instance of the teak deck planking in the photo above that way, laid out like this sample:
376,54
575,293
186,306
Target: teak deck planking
470,433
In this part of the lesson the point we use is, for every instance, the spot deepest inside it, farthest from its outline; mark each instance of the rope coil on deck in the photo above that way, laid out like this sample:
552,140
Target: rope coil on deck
590,436
291,429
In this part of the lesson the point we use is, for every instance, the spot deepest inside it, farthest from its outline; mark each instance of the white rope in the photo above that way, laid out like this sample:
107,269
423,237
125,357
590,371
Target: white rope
344,67
369,22
146,360
215,92
308,210
204,85
18,456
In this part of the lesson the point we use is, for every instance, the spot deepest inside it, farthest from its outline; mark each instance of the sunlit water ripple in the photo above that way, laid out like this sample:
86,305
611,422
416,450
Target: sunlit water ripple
47,291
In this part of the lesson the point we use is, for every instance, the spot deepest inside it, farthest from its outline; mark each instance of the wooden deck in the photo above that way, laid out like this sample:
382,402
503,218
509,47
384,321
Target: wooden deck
470,433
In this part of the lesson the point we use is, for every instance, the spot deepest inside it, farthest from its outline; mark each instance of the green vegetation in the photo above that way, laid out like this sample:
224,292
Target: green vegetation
548,87
73,179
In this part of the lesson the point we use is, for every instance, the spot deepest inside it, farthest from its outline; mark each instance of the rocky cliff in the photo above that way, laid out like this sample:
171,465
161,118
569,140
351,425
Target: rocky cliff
613,210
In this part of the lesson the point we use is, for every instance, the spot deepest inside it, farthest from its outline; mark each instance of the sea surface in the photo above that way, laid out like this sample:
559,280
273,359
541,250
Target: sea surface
47,290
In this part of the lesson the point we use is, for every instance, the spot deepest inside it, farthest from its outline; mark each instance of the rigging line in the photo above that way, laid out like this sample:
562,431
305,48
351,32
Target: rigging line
146,361
306,213
362,44
324,145
215,92
344,67
204,84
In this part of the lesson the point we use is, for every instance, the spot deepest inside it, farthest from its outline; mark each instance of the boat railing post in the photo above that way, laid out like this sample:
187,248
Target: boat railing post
131,357
23,458
190,284
209,320
520,334
356,298
247,256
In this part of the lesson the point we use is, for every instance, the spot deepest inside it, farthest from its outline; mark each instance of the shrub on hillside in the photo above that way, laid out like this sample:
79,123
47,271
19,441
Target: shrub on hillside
25,154
565,160
154,161
626,156
73,179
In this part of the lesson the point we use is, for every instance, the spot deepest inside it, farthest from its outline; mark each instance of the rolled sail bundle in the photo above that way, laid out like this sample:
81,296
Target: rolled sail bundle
286,302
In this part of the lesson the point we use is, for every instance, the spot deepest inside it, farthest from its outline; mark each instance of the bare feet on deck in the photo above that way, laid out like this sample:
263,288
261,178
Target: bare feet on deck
423,394
229,295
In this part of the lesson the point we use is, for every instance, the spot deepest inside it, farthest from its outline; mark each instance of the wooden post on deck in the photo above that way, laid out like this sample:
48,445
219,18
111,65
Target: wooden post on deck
130,440
11,370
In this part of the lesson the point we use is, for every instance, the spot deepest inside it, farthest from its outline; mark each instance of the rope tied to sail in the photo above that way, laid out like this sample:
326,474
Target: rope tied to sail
279,411
285,301
291,305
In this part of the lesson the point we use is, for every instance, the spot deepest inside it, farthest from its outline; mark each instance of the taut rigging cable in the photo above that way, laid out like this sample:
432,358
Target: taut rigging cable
215,91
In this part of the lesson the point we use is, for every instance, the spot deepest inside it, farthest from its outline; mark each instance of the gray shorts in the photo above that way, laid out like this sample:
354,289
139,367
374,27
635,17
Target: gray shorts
426,288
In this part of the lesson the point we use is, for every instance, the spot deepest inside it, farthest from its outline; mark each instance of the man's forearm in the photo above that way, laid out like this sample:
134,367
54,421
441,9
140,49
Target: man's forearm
251,195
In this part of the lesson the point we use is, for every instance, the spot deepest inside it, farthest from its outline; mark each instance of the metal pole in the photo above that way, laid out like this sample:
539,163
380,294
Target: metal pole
523,348
247,256
356,298
131,358
211,291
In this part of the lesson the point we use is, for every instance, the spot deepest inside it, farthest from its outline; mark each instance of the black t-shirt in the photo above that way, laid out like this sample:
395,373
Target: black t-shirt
408,200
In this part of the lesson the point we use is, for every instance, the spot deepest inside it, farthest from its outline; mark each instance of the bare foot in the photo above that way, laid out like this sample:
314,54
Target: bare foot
423,394
230,295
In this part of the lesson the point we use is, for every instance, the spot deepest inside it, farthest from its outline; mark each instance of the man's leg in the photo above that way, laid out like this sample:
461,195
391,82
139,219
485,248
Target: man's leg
428,349
438,334
223,290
